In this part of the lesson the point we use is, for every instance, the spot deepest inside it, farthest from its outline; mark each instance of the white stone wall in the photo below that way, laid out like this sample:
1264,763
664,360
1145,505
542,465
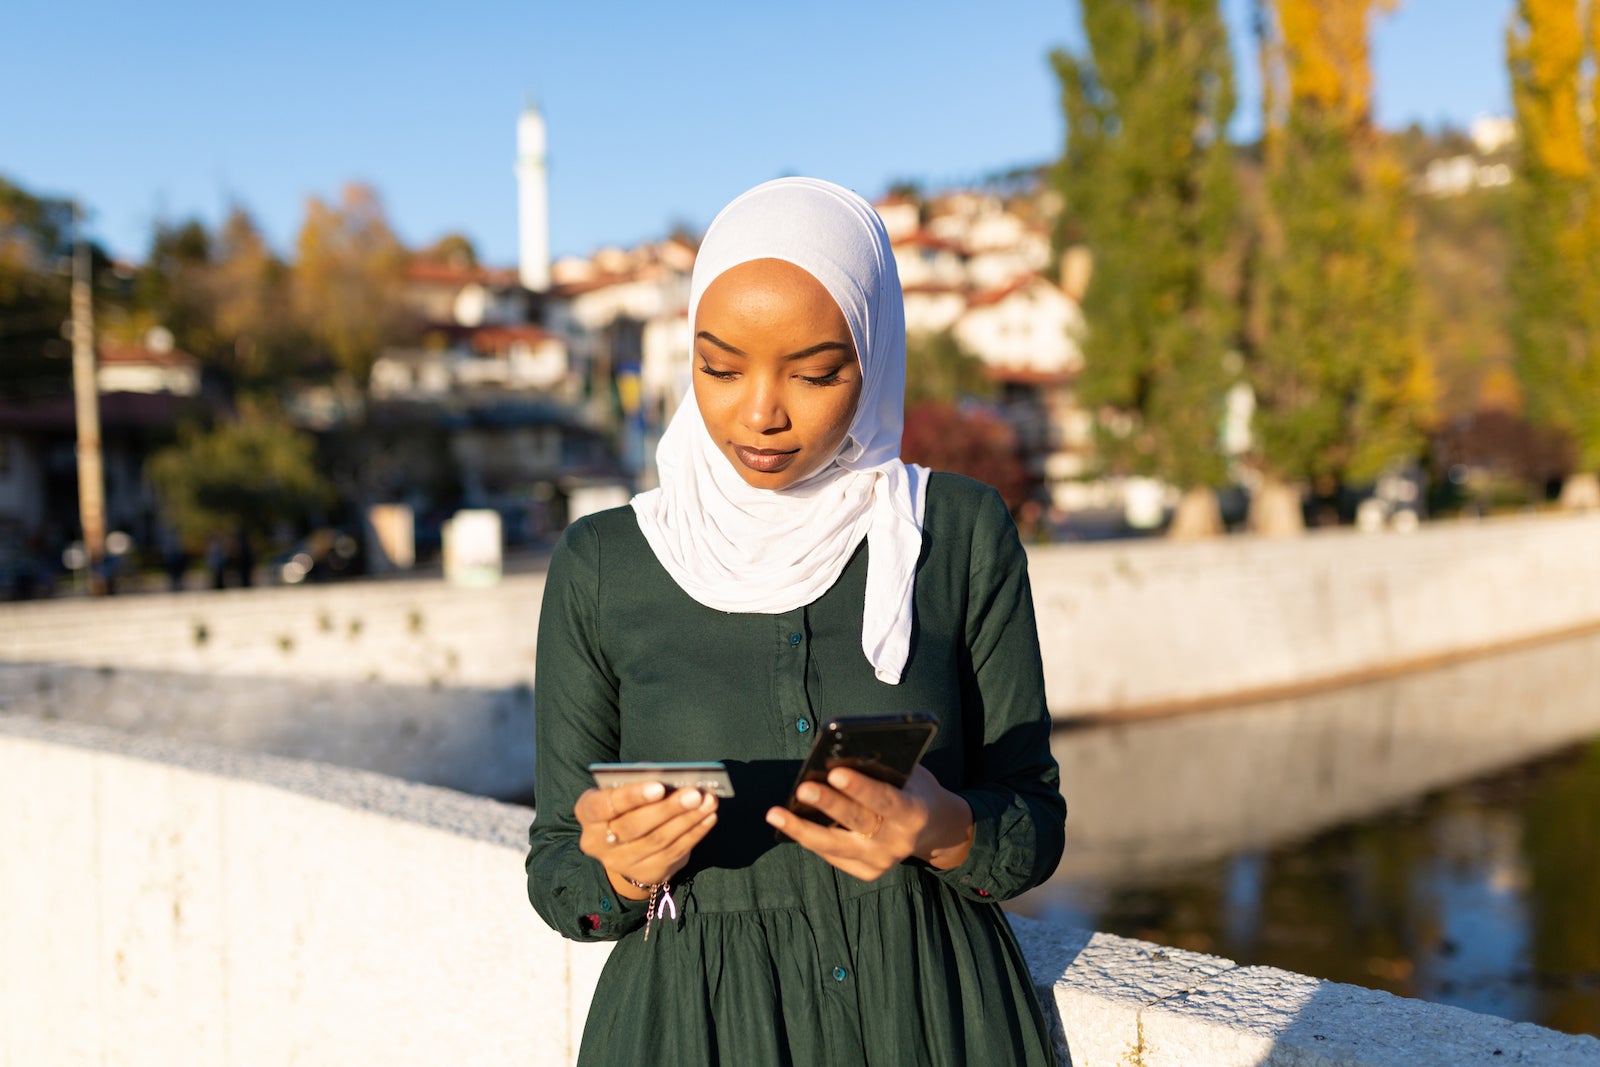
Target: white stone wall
1126,626
174,904
1140,625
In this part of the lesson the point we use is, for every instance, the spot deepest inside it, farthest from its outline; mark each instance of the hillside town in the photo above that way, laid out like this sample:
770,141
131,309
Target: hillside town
537,392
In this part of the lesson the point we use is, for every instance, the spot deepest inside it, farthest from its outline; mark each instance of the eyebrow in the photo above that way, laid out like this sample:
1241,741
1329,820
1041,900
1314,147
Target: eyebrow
823,346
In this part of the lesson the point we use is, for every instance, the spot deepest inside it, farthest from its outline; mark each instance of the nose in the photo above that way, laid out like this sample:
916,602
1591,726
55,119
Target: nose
762,409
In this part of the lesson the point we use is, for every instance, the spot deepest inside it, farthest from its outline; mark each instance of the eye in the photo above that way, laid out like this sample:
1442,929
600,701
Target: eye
719,375
833,377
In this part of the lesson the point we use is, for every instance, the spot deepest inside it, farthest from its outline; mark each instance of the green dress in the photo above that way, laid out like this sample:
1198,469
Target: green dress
776,957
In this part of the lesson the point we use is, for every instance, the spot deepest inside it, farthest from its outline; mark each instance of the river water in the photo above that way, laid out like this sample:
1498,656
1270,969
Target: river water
1435,835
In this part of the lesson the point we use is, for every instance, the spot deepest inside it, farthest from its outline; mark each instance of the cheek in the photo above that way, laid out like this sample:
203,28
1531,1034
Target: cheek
712,402
841,411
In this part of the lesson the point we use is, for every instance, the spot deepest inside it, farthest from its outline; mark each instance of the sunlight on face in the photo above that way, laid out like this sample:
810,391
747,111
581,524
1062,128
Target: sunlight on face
776,375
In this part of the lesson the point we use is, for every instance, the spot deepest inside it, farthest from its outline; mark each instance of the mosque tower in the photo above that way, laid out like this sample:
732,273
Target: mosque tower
533,201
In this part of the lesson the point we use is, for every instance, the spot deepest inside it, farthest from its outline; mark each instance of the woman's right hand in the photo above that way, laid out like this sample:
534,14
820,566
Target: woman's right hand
638,831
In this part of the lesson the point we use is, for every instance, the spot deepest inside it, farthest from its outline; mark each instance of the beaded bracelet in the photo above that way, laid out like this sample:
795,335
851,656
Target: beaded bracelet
663,889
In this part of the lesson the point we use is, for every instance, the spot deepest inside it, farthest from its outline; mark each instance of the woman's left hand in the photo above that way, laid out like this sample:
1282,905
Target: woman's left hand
877,825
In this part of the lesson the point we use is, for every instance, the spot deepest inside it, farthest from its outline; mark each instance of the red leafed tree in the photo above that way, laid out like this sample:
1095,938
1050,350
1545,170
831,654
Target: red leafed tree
974,442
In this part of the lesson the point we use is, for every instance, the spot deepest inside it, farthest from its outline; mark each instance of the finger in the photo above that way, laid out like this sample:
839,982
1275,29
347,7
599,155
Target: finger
648,818
658,827
848,812
644,864
603,805
863,789
849,852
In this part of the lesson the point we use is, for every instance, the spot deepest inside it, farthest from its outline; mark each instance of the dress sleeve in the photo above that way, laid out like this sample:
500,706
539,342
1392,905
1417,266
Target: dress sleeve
576,723
1013,784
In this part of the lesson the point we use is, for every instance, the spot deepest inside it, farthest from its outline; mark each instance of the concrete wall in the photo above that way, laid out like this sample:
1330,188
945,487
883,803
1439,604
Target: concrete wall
1125,625
168,903
412,678
1142,624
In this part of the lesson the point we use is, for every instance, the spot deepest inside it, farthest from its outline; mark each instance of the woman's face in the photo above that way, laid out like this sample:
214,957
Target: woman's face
776,375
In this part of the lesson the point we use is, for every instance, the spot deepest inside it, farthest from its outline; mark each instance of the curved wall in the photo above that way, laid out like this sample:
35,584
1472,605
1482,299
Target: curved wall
171,903
1126,626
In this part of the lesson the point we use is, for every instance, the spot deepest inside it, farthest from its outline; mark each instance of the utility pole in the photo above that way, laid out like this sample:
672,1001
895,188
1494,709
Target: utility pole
86,403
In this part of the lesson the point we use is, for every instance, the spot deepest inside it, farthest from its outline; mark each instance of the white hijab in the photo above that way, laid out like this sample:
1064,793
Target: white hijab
737,548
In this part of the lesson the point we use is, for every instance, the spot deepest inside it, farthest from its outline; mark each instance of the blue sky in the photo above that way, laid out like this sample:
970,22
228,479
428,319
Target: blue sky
658,113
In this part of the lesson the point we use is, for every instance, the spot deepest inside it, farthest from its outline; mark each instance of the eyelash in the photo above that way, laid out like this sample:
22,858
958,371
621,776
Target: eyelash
833,377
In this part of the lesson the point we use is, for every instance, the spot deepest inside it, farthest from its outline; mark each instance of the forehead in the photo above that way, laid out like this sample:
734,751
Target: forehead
769,288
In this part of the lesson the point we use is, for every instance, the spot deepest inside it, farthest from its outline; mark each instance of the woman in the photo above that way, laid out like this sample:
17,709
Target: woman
791,569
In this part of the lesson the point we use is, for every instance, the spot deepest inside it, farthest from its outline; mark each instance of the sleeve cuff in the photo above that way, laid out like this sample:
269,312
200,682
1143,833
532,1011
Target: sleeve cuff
602,914
973,877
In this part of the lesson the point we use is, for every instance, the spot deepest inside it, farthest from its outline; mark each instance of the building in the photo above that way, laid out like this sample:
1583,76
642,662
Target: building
976,265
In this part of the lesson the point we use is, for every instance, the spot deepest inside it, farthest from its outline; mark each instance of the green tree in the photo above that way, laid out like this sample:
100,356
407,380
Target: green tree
247,474
455,249
1555,261
35,236
172,290
347,276
1343,385
1147,184
938,368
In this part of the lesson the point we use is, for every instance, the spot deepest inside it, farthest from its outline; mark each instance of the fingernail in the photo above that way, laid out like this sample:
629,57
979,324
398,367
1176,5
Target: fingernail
808,793
775,818
838,778
655,791
709,802
710,820
690,797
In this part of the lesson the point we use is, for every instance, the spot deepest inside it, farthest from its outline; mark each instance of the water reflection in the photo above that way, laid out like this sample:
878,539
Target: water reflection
1436,835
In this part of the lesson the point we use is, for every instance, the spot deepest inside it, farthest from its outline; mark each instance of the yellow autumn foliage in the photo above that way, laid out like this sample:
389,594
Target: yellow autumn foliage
1326,56
1545,50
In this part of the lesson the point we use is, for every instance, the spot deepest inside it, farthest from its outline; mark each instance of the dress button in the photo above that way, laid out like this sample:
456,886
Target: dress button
605,903
794,639
802,725
840,974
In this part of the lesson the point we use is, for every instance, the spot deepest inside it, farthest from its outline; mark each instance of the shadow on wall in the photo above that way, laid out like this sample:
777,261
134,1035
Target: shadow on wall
473,739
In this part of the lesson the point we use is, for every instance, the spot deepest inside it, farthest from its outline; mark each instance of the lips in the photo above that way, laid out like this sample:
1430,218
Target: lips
765,460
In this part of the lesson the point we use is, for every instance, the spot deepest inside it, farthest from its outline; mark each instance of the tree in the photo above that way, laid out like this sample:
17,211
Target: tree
938,368
35,241
347,278
249,474
1147,183
172,290
455,249
1555,262
975,442
252,300
1343,386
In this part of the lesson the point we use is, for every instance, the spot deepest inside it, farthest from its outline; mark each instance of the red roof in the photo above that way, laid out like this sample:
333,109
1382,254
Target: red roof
499,338
924,239
434,272
990,297
116,353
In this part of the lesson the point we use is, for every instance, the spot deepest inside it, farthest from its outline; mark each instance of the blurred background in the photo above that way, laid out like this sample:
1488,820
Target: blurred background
362,291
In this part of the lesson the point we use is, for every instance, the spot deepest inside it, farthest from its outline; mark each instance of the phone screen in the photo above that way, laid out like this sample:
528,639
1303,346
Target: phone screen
885,747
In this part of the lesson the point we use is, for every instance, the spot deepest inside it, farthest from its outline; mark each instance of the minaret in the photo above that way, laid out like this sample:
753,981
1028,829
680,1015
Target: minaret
533,201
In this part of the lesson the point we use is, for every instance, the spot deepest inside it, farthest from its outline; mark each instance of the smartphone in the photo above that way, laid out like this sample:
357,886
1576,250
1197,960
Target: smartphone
708,777
885,747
